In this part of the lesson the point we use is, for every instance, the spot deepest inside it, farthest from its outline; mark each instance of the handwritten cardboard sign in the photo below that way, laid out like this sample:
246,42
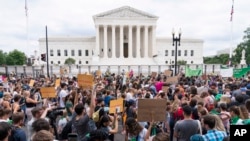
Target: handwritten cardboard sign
85,80
172,80
32,83
48,92
153,74
148,110
168,72
165,89
98,73
116,104
58,82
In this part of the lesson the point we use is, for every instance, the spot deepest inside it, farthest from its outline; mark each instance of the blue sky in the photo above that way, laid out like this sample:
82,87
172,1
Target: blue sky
208,20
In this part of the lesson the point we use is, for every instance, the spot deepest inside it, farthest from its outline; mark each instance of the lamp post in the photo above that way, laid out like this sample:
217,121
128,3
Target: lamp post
176,41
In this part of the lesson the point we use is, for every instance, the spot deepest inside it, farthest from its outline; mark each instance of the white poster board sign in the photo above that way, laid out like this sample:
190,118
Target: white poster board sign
226,72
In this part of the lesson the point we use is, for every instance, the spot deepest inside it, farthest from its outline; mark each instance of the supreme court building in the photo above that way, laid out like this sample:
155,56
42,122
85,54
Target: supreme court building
124,36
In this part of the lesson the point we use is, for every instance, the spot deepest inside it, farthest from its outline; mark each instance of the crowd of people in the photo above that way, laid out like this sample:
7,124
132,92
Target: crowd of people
198,108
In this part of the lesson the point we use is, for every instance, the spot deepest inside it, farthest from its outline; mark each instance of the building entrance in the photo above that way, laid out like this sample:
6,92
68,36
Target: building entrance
125,50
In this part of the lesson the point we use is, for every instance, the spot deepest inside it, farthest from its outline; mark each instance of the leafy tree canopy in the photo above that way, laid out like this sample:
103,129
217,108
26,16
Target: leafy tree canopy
70,61
243,45
2,57
220,59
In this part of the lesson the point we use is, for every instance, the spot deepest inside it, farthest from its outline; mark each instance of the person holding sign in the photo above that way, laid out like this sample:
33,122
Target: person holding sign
104,125
81,123
135,132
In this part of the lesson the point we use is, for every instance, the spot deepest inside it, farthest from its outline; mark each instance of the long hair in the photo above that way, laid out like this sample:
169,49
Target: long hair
218,123
243,112
133,127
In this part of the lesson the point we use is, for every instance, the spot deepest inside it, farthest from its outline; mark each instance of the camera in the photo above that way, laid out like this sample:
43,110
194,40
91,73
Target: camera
52,115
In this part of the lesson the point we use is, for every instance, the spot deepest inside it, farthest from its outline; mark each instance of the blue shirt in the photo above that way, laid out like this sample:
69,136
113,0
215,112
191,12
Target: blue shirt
214,135
20,135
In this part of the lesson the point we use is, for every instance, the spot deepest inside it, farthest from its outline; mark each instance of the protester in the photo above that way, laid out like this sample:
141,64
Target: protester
5,130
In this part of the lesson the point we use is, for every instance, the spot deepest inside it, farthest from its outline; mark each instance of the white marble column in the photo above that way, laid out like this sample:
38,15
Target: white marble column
130,42
105,47
138,45
121,41
153,47
146,41
97,42
113,54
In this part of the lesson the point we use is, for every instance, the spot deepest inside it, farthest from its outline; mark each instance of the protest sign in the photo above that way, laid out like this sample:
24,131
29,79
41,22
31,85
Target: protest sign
153,74
192,72
168,72
148,110
58,82
116,104
239,73
172,80
165,89
98,73
48,92
32,83
85,80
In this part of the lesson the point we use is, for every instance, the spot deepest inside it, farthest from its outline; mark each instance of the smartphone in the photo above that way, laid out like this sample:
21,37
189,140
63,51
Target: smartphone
72,137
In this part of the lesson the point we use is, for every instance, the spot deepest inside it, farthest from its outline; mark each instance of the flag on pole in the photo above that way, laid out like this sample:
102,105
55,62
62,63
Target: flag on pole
26,8
232,11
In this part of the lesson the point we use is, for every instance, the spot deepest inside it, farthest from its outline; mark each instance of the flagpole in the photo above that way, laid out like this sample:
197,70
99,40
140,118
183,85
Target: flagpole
231,36
27,24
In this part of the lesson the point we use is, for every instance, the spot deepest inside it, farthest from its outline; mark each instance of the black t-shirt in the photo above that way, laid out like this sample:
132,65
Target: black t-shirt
81,127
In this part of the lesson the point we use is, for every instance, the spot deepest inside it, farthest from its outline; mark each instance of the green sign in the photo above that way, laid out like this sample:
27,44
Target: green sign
193,72
239,73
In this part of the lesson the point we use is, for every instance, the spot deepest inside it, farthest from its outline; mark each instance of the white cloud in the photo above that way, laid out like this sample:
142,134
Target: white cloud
201,19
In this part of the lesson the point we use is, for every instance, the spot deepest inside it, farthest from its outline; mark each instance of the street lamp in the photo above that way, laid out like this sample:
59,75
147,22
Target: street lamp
176,41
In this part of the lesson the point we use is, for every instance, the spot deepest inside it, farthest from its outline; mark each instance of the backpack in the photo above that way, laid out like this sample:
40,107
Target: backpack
13,133
96,116
91,127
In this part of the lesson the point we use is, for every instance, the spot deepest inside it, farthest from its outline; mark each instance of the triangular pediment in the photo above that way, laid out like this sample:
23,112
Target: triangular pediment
125,12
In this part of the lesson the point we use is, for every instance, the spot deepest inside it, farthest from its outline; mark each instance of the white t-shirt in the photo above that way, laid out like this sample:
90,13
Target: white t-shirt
62,95
141,135
129,96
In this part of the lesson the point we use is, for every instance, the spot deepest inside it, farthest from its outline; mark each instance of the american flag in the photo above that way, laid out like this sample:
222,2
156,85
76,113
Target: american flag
26,8
232,11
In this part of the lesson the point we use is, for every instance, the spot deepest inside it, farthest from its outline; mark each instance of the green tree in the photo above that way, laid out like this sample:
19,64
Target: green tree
181,62
70,61
221,59
243,45
2,57
15,57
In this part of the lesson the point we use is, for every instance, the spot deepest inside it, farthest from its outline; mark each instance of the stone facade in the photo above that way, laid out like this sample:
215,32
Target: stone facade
124,36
